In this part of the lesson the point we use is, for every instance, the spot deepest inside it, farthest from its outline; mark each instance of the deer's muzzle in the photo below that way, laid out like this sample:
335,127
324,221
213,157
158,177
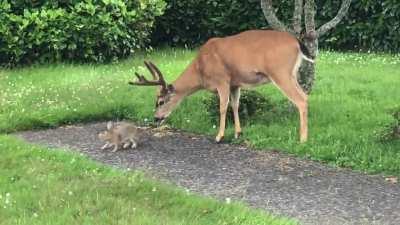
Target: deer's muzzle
159,120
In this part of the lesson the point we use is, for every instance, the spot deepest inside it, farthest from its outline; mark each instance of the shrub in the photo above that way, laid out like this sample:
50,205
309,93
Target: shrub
94,31
392,130
370,24
191,22
252,104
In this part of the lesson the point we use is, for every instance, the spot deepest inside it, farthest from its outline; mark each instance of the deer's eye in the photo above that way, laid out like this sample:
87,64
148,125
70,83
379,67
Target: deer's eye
160,102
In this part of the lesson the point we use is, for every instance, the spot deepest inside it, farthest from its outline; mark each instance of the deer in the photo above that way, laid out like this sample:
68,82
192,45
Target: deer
225,65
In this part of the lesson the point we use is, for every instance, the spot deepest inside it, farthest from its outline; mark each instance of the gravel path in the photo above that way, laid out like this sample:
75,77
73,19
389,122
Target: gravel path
311,192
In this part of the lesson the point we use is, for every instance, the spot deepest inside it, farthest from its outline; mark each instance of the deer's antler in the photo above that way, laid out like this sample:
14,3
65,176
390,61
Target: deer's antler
158,72
158,78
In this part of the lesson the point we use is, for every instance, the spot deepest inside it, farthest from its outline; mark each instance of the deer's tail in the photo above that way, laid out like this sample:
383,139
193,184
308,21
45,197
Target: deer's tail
305,53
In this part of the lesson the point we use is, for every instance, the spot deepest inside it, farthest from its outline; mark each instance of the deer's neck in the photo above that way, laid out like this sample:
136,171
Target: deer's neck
188,82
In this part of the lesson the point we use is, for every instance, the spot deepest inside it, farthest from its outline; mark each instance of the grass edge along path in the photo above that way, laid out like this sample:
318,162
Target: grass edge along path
42,186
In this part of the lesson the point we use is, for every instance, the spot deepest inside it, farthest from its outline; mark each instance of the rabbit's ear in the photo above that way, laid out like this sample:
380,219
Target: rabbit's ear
110,125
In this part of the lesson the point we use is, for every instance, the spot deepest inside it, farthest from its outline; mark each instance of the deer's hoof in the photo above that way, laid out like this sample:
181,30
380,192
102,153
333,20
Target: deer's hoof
303,140
238,134
219,139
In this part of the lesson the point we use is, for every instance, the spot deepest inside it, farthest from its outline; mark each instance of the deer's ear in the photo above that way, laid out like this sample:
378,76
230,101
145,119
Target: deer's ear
170,88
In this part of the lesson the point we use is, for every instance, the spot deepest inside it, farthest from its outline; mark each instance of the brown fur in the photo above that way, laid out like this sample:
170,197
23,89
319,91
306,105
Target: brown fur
123,133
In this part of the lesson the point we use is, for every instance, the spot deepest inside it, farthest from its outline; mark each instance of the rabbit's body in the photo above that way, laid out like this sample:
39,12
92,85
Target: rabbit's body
121,134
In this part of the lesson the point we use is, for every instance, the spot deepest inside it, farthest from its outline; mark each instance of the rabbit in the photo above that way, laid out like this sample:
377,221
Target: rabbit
123,133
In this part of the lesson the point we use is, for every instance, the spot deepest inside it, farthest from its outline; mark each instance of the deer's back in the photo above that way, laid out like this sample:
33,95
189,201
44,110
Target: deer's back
249,57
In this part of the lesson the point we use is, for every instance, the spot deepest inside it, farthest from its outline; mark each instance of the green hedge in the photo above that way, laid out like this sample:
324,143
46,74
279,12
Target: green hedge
90,30
191,22
370,24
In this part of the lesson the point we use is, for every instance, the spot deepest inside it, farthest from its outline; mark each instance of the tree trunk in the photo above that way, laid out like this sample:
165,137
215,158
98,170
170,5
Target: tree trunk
307,70
306,75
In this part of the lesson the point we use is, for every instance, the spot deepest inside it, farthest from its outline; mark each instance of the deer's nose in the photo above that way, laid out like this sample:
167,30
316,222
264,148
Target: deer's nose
158,120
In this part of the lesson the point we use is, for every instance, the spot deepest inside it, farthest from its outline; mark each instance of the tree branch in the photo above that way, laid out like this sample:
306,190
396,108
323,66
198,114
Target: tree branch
309,16
334,22
298,12
269,13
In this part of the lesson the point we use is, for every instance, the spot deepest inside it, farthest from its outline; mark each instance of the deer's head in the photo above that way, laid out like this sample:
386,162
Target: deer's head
166,100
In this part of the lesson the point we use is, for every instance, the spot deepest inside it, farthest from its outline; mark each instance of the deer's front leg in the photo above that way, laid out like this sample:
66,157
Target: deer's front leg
235,96
223,107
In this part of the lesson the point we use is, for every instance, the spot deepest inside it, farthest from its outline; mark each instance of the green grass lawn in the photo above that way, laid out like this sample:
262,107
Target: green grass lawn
349,107
40,186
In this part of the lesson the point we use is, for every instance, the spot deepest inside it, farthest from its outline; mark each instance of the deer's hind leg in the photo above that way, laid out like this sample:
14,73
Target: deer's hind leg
287,83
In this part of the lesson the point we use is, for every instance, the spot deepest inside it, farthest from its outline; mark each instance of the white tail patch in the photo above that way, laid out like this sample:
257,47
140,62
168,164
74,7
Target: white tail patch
306,58
297,65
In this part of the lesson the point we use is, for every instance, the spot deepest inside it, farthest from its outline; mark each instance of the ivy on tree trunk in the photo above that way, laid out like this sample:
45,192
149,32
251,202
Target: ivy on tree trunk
308,35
